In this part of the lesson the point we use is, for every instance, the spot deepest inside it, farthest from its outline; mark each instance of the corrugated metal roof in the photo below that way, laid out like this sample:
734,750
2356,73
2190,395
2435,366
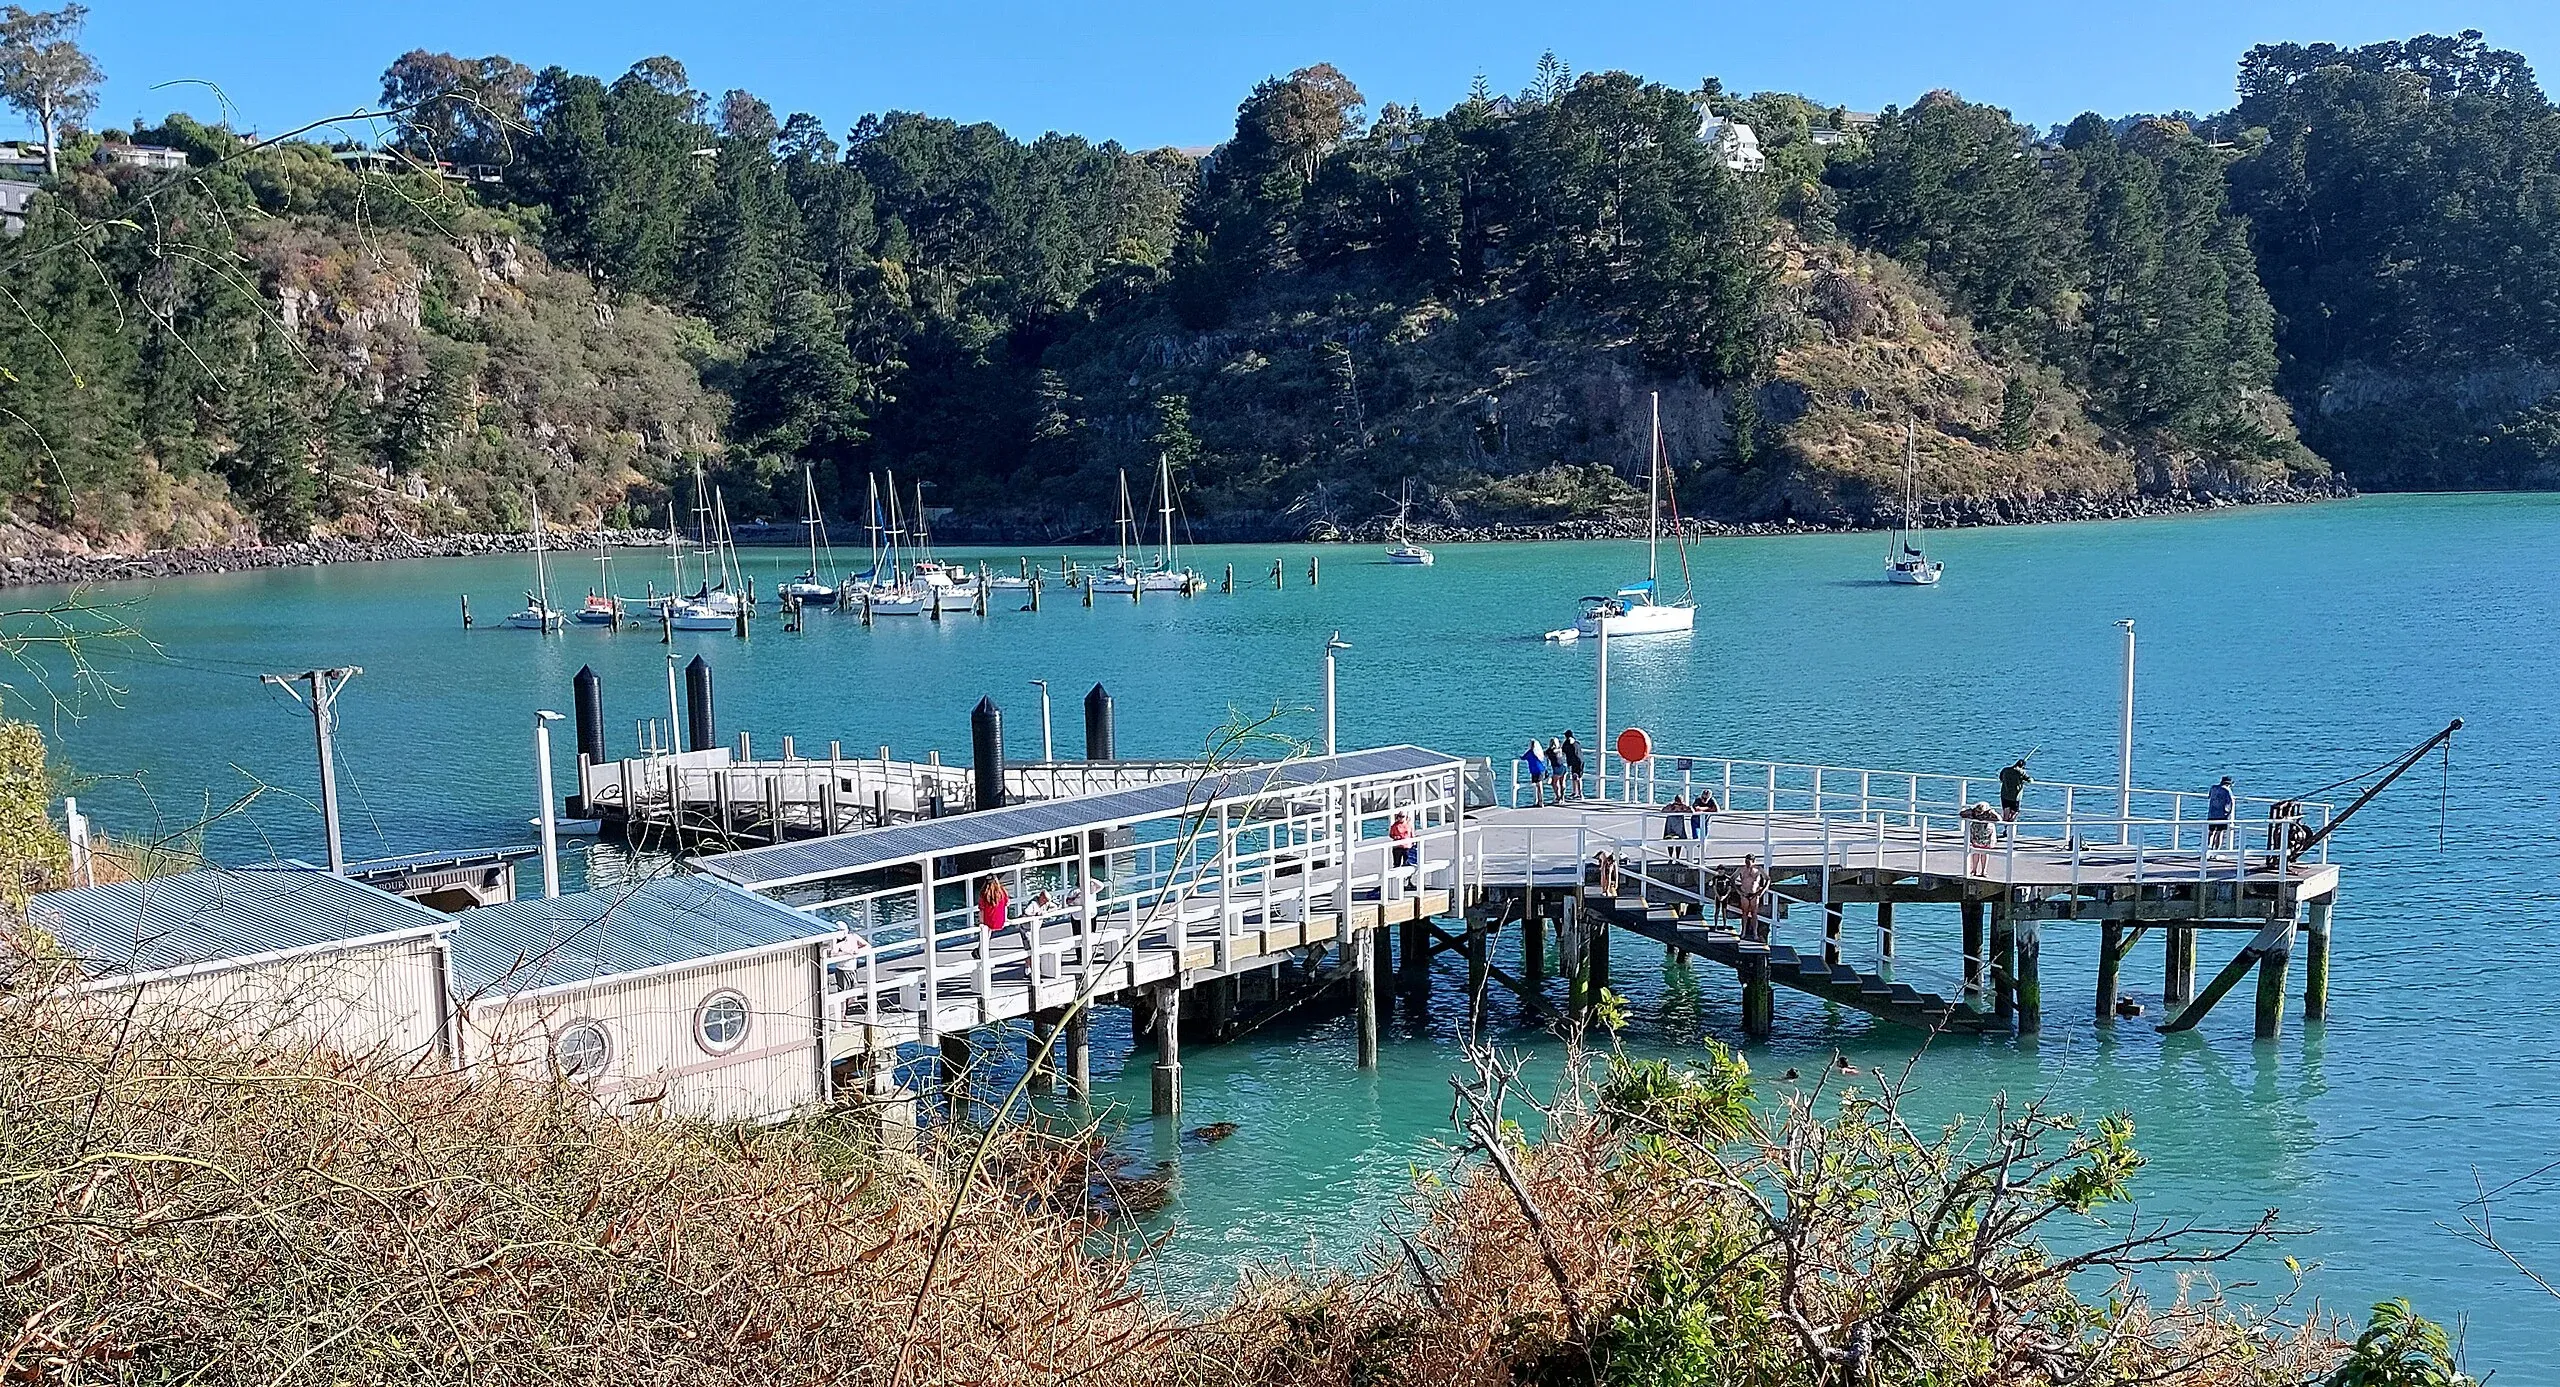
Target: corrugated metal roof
190,919
525,945
463,857
783,864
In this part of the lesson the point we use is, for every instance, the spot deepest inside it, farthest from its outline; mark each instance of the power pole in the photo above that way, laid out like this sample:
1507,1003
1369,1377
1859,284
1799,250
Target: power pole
326,684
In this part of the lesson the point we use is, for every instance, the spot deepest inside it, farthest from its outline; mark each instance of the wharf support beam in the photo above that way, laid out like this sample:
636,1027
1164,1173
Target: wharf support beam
2315,962
2268,952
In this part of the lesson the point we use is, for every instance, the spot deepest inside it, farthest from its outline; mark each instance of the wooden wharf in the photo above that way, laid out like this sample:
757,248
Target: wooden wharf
1210,898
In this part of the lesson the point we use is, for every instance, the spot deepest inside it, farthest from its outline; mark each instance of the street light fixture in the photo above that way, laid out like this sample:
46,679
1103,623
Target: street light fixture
1048,746
1332,643
542,721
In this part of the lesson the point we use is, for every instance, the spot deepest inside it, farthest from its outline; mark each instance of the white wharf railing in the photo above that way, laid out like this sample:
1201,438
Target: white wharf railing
1219,874
2174,822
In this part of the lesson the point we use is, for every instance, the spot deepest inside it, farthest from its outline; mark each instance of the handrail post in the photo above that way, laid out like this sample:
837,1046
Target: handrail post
1226,889
930,1031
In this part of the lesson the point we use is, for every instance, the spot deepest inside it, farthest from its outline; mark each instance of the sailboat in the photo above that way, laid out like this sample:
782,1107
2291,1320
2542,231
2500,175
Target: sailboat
538,613
955,582
714,605
1121,577
883,590
1905,559
602,608
1166,575
1405,550
1637,609
810,590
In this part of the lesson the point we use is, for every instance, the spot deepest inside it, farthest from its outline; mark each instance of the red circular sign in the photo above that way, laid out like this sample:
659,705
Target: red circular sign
1634,745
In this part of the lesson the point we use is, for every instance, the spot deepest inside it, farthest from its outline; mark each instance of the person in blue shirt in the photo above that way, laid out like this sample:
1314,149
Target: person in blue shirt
1536,763
2217,813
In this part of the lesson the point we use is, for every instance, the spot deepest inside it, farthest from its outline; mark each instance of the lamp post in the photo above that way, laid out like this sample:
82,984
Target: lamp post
1332,643
1602,764
1048,745
542,787
2124,744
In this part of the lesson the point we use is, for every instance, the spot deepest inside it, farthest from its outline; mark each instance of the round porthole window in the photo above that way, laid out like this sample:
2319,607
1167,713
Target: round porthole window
581,1051
721,1025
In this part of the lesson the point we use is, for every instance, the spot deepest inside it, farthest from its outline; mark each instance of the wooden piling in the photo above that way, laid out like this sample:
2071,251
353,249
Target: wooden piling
2110,954
1043,1076
1311,573
1088,591
2004,962
1279,573
2315,962
1831,935
466,611
1476,960
2178,980
1364,998
1759,998
1533,948
1884,935
2271,970
1165,1088
1230,584
1973,955
2030,945
1413,972
955,1074
1079,1047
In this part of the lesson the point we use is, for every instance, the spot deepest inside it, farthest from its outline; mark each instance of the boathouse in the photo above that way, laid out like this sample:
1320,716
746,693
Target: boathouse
285,952
681,995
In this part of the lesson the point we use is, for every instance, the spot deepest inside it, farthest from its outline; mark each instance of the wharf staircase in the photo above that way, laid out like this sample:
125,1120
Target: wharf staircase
1869,992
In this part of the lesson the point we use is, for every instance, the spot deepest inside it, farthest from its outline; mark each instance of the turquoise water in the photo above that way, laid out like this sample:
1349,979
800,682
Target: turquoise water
2284,647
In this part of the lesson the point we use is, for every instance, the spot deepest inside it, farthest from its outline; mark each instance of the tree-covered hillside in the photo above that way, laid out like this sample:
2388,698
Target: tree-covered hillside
582,288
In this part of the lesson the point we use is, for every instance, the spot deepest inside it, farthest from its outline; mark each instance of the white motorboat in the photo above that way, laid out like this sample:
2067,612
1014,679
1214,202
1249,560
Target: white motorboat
1638,608
538,613
692,614
1405,550
1906,559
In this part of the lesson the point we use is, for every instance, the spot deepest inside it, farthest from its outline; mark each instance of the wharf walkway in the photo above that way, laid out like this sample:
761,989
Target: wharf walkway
1829,838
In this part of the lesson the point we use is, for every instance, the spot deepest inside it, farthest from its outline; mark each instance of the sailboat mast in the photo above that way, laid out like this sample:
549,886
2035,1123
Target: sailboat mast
1128,518
809,486
1653,501
541,561
1164,469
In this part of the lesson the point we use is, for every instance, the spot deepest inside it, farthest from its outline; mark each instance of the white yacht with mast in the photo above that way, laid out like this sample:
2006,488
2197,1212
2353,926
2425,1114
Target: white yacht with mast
884,590
1638,609
538,613
1406,551
955,582
1166,575
602,608
1906,559
811,589
1121,578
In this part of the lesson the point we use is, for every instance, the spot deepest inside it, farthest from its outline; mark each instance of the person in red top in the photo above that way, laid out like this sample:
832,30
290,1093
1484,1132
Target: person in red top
1400,835
993,904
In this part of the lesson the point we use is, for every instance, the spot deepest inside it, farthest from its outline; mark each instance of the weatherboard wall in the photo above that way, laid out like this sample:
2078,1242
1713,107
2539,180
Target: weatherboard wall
657,1058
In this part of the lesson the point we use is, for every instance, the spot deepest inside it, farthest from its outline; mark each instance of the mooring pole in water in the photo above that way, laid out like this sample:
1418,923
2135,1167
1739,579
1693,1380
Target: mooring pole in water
2004,961
986,753
1759,999
2178,985
466,611
1088,590
1311,572
1364,995
1099,743
1042,1069
2030,934
586,698
701,729
1279,573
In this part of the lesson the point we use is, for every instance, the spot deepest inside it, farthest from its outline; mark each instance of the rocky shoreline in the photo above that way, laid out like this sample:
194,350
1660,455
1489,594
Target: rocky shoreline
82,569
1944,513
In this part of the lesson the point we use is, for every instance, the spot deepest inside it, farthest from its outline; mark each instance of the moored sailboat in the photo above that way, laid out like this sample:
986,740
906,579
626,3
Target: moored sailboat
811,589
538,613
1638,608
1405,551
1906,559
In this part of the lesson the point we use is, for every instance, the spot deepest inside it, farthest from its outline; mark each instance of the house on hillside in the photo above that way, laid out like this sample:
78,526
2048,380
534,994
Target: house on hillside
15,194
157,158
25,161
1734,142
285,953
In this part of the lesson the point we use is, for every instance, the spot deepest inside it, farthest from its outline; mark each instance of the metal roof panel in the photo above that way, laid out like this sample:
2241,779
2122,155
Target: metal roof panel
526,945
193,919
810,859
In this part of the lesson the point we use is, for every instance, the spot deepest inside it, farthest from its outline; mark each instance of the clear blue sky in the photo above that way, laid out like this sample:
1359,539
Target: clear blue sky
1153,73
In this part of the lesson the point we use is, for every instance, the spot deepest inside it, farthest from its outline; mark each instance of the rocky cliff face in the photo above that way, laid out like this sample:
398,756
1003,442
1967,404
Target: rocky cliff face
2492,424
